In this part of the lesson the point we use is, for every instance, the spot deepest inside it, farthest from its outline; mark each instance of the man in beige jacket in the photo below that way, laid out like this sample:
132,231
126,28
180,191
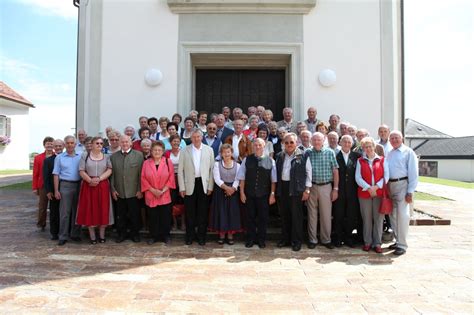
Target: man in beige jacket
195,186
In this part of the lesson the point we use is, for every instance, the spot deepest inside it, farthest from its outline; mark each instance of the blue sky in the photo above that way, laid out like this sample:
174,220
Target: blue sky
38,60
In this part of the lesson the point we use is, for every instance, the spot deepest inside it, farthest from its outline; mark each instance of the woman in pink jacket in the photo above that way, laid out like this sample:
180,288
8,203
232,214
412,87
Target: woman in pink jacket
157,180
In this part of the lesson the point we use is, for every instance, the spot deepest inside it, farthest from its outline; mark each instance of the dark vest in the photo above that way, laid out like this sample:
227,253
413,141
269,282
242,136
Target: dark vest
297,173
215,145
258,176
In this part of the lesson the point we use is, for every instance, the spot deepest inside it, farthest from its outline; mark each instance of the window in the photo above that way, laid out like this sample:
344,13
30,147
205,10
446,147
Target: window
5,126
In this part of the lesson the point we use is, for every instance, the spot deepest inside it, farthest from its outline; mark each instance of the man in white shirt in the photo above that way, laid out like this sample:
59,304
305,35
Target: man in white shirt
195,186
384,132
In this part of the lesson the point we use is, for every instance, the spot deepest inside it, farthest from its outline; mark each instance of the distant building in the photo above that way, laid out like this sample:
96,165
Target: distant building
441,155
14,129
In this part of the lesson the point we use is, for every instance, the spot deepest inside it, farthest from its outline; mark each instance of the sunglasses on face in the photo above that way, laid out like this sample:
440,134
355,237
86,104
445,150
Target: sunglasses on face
211,128
289,142
99,143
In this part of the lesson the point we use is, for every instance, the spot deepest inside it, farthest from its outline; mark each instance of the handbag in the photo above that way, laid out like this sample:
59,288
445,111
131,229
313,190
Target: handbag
386,205
178,209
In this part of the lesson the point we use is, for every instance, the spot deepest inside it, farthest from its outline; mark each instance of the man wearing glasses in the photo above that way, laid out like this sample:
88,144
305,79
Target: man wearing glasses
211,138
294,176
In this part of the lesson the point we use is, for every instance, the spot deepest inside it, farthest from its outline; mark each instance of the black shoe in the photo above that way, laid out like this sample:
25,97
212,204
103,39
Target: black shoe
393,246
93,242
202,242
311,245
349,243
329,245
296,247
102,240
188,242
119,239
151,241
261,244
62,242
54,237
399,251
230,241
76,239
136,239
249,244
338,244
283,244
221,241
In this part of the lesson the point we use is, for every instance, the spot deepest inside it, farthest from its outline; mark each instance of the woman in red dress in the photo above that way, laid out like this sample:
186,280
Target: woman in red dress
94,206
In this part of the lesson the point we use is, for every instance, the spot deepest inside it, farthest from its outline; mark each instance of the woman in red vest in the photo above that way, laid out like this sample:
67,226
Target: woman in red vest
371,175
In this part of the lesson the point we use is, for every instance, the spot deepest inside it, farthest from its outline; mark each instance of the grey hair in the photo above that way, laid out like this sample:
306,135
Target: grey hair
145,141
259,140
69,137
347,137
253,117
195,131
396,132
306,131
292,135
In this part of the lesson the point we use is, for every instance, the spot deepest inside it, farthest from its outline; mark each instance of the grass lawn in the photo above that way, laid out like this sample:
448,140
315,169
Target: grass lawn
446,182
25,185
425,196
12,172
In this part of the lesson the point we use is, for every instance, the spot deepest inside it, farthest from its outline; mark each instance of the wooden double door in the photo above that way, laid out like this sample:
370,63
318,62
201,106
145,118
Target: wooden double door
216,88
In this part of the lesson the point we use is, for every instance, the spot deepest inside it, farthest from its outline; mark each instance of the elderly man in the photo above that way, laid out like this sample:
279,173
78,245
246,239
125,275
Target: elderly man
66,182
251,110
226,113
305,139
403,170
257,176
333,142
211,139
344,128
311,121
154,128
237,113
334,123
126,189
38,181
48,179
288,122
196,183
292,167
242,146
346,208
323,191
384,132
81,138
222,131
259,113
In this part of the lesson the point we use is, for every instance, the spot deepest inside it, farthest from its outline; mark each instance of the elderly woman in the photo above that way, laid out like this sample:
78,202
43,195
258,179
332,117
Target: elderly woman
172,131
224,217
188,130
273,132
245,119
202,121
143,133
157,179
267,116
177,119
263,134
163,134
173,155
251,133
114,142
130,131
88,145
94,206
322,127
146,148
371,175
300,126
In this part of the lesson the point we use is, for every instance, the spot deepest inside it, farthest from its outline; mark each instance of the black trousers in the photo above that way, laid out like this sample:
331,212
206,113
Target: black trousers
257,215
291,213
54,217
159,221
128,216
197,211
346,213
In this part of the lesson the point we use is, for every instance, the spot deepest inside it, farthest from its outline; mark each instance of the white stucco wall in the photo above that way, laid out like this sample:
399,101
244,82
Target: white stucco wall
15,155
344,36
137,36
462,170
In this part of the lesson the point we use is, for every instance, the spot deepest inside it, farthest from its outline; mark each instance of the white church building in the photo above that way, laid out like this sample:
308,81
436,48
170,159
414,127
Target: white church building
159,57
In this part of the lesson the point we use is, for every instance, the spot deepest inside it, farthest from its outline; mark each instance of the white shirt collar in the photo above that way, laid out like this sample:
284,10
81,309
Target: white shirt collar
128,151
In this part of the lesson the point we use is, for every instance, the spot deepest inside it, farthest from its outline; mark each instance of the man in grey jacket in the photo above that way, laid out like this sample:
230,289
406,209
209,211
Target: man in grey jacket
126,189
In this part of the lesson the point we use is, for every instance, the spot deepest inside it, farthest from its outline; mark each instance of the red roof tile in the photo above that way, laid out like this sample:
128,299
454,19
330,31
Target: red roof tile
10,94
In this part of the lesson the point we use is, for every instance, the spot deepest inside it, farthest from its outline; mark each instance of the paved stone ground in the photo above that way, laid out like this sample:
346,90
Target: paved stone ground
37,276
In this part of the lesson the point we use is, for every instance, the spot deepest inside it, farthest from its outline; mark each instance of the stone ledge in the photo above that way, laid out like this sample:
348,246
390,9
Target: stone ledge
242,6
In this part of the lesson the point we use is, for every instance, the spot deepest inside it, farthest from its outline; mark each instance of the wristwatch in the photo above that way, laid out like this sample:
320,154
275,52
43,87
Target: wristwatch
272,193
336,188
307,191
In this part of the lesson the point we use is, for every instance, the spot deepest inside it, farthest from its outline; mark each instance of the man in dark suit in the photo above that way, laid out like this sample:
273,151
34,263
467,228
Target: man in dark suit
126,189
48,178
222,131
346,208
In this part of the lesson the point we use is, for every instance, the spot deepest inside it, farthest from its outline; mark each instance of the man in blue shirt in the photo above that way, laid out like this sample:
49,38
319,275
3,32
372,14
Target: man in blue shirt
403,170
66,190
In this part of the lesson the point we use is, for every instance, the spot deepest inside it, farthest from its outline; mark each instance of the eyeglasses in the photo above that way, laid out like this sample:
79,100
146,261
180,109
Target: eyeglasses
211,128
99,143
113,139
289,142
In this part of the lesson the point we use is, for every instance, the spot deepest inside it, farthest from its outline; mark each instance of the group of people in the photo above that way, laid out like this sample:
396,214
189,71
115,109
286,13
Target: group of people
225,175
